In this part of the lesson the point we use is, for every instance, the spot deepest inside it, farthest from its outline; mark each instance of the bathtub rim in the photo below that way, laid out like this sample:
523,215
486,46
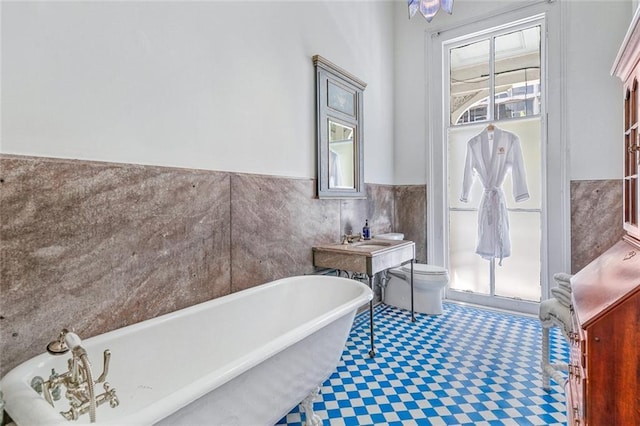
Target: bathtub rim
19,395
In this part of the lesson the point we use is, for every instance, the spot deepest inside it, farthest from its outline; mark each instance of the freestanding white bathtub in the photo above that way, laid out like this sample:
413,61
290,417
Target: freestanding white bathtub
244,359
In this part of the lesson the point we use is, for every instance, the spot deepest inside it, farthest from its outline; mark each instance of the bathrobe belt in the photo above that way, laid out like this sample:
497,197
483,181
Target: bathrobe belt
494,199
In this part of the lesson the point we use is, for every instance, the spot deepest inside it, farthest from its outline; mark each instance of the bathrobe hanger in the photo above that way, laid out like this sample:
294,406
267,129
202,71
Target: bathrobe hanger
491,127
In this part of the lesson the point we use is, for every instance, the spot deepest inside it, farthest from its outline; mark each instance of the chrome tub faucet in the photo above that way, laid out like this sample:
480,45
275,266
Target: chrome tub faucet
78,380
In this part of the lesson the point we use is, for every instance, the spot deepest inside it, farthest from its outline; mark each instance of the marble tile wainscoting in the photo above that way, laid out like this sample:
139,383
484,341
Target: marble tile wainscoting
596,219
97,246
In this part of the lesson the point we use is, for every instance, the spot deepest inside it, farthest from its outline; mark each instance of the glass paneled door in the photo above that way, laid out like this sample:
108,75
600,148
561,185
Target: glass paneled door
494,167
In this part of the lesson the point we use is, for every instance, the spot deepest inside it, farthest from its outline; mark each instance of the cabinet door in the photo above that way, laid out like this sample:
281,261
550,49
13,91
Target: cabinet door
631,184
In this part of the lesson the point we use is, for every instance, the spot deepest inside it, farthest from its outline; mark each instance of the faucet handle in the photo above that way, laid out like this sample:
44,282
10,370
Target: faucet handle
105,366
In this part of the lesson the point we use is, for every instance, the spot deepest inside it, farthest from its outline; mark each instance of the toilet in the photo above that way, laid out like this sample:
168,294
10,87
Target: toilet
428,283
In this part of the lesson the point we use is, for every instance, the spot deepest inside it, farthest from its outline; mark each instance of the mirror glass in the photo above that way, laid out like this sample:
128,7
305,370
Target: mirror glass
341,156
339,127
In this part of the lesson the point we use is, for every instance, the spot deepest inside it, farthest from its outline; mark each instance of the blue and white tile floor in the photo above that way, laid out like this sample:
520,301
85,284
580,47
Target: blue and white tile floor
468,366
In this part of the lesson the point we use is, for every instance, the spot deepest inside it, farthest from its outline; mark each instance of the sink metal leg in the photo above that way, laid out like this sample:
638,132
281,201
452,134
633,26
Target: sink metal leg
372,351
413,316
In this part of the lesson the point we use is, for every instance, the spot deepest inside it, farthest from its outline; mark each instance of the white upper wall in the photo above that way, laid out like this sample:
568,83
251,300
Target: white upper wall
230,85
592,31
213,85
411,56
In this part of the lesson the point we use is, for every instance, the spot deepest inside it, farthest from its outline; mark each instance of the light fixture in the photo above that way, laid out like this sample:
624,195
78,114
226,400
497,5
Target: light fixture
429,8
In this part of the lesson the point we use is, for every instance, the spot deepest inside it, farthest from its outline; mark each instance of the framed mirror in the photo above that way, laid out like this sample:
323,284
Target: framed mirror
340,138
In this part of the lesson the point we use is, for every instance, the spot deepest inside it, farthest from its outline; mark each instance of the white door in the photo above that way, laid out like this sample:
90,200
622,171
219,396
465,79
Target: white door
494,77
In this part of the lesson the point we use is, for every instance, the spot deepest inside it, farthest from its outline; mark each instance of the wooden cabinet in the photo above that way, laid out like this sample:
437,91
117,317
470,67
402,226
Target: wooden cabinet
627,68
604,363
604,368
631,152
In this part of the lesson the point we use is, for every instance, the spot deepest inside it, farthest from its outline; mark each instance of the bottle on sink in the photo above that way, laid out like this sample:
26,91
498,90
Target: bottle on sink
366,231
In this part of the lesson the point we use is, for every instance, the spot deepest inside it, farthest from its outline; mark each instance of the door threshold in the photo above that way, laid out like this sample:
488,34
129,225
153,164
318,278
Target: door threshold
492,308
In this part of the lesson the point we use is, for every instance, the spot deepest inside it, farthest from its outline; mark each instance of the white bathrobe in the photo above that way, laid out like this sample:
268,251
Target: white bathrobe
490,160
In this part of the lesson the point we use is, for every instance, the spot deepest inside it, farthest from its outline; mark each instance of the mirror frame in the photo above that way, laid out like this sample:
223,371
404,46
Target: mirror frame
329,73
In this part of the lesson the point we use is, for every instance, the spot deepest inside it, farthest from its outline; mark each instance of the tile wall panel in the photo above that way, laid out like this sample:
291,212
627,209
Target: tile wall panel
275,223
96,246
377,207
411,216
596,221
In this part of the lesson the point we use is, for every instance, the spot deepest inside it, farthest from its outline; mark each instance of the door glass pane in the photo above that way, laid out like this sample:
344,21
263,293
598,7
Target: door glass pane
517,74
469,82
519,275
457,151
467,270
528,132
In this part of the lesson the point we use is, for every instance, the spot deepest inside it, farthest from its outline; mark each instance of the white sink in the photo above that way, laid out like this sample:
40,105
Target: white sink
370,245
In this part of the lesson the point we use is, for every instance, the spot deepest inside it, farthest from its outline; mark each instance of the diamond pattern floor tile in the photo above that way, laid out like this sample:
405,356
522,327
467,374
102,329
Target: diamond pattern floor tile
468,366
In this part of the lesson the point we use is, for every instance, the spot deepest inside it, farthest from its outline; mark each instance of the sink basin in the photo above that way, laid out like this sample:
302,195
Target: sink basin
373,243
370,245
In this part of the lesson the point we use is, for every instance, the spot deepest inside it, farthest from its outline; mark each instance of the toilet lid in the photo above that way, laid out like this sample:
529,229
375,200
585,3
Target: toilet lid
422,269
